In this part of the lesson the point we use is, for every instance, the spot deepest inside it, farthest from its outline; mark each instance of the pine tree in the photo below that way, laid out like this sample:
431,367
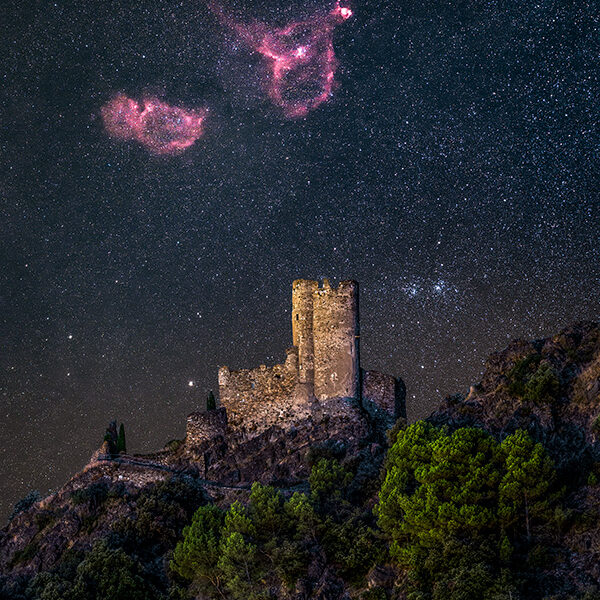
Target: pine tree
197,555
525,489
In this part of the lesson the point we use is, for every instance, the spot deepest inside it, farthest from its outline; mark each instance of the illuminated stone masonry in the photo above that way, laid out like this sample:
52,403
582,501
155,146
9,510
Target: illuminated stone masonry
321,375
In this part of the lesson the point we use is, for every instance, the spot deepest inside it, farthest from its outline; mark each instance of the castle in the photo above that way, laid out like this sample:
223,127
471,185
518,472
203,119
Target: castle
321,373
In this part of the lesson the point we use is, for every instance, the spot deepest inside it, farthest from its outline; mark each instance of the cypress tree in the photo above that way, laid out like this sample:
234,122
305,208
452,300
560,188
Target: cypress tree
121,446
211,402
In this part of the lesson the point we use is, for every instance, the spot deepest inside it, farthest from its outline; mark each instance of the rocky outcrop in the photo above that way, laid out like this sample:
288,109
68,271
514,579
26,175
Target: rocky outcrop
550,387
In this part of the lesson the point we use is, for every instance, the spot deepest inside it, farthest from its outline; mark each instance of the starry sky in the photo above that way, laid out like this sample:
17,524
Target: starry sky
453,171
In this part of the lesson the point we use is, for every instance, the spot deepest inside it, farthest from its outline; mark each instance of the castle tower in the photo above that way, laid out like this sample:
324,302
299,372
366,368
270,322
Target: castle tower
336,341
302,328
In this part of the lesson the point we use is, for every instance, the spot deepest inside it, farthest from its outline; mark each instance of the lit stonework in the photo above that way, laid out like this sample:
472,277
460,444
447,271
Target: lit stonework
323,365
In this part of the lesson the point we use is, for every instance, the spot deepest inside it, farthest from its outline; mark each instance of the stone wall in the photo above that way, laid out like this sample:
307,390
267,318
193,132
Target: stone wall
324,364
336,340
206,425
249,394
383,396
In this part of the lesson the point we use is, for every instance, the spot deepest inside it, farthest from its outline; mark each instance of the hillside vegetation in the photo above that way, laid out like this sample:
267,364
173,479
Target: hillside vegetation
495,496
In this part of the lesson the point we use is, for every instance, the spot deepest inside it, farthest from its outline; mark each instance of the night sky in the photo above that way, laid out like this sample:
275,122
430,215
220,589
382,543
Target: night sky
453,171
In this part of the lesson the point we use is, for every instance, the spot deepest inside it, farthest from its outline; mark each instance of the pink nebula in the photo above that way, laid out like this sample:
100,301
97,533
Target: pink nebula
300,58
159,127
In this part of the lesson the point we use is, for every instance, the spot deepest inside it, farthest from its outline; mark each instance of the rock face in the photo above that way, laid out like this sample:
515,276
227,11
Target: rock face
238,454
549,387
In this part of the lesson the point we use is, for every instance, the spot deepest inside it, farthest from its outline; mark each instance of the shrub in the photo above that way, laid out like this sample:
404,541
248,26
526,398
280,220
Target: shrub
376,593
533,380
173,445
211,402
330,450
121,443
520,373
93,495
328,479
25,555
44,518
25,503
543,386
110,574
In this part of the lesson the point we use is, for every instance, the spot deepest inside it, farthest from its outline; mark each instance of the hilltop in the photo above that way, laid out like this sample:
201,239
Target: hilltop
308,529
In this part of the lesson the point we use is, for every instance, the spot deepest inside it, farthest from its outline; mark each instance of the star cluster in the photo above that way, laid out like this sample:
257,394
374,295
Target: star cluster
452,170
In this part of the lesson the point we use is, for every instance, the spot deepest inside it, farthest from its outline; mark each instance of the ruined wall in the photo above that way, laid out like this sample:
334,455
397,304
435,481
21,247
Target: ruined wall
302,328
249,394
336,340
383,396
206,425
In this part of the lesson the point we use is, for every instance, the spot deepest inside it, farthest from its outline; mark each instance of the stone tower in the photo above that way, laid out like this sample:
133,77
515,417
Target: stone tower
325,329
336,341
324,363
303,292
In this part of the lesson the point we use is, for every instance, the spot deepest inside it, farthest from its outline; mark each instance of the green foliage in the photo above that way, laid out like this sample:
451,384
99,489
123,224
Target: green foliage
110,574
290,559
475,581
331,450
505,550
25,555
374,594
104,574
392,433
596,425
353,546
239,563
328,480
533,380
161,511
94,495
174,445
44,518
237,520
539,557
121,444
50,586
249,550
197,554
302,514
211,402
521,372
543,386
457,511
453,505
266,511
524,492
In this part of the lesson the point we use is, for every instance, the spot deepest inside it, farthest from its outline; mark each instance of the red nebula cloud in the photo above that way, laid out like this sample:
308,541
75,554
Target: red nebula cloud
300,58
160,127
